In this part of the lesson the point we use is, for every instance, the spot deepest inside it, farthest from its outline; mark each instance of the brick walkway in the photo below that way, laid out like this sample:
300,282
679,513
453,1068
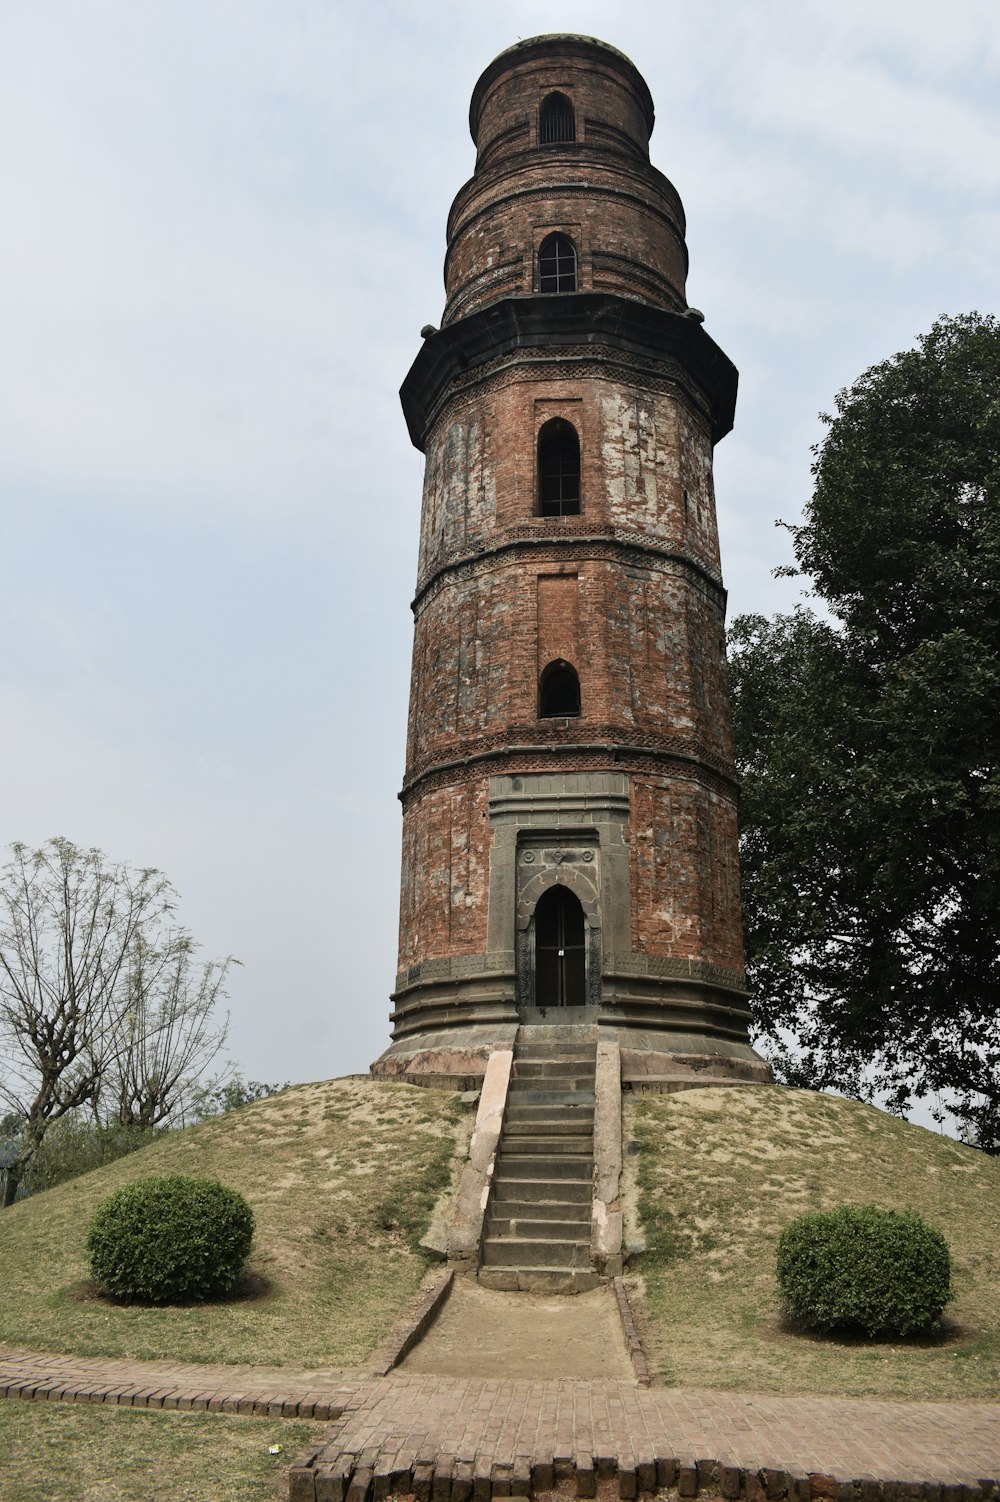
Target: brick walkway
457,1439
465,1440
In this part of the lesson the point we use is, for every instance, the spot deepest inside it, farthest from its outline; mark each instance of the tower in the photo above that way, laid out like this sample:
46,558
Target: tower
569,806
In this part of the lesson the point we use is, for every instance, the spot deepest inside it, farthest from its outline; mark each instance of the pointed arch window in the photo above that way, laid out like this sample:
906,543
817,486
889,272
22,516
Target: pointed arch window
556,120
558,692
557,264
558,469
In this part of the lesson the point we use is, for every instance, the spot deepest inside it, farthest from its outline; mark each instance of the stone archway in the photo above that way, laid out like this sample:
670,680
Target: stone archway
546,979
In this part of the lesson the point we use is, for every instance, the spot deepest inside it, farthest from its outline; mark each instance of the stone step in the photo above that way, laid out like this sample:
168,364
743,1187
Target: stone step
517,1251
539,1279
548,1068
545,1113
539,1166
507,1226
562,1084
534,1144
550,1053
567,1034
543,1195
532,1095
530,1207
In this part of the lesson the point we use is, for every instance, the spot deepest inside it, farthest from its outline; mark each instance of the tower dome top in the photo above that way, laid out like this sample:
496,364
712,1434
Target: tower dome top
553,46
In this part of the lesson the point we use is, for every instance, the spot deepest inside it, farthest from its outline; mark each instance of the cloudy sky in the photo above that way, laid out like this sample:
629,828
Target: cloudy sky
222,229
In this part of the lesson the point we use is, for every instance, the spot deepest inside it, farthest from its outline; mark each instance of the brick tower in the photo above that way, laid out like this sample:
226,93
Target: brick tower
569,808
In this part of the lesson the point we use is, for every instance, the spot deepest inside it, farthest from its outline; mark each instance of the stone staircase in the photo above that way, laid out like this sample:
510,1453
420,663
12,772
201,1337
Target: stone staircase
536,1235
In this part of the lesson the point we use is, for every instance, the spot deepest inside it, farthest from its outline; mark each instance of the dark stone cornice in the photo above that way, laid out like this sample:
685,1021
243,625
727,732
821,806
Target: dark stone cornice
575,318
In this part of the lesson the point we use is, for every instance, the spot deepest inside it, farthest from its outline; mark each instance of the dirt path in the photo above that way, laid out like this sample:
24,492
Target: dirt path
483,1333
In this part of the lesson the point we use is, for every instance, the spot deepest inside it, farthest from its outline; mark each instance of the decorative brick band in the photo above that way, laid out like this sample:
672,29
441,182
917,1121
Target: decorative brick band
584,544
570,757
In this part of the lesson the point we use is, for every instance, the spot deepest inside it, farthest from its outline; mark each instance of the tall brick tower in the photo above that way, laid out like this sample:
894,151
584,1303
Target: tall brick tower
569,808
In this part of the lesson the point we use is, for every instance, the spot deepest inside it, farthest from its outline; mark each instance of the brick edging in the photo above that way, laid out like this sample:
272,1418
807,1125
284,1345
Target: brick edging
638,1356
413,1327
274,1403
374,1477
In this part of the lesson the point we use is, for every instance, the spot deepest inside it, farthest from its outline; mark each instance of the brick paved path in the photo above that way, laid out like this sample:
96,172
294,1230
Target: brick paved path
465,1440
459,1439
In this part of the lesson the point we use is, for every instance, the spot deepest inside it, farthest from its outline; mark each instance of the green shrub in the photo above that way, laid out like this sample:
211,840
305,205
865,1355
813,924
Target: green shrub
169,1241
882,1272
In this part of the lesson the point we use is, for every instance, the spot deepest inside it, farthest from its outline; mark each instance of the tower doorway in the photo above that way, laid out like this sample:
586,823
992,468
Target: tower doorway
560,950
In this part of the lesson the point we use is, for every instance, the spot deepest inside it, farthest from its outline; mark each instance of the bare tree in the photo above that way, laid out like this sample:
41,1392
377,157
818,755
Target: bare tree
168,1031
68,922
102,1005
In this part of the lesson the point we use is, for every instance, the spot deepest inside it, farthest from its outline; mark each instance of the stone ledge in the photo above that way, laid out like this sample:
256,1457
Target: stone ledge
466,1230
414,1325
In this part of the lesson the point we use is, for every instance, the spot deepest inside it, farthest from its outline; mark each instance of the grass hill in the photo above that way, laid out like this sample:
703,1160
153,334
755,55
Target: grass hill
342,1177
713,1175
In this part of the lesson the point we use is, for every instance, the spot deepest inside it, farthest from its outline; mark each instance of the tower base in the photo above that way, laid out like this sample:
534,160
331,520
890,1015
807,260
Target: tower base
653,1059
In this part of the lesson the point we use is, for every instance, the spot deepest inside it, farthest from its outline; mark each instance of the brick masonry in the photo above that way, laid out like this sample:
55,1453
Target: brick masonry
470,1440
627,590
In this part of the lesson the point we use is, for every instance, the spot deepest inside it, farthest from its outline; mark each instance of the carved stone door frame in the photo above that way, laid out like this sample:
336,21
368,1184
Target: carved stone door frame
545,861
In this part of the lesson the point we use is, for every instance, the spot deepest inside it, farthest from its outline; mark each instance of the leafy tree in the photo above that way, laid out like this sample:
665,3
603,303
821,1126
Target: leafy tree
215,1098
100,1008
868,746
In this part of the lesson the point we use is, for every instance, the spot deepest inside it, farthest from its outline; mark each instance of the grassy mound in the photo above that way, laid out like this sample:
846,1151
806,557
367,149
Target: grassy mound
341,1178
719,1173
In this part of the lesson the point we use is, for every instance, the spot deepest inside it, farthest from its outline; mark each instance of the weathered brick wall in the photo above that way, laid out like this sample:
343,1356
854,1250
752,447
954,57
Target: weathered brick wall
647,646
685,875
624,216
645,456
609,97
622,223
445,876
629,591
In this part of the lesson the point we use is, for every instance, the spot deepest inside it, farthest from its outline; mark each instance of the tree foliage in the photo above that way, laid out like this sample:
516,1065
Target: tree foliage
867,743
103,1007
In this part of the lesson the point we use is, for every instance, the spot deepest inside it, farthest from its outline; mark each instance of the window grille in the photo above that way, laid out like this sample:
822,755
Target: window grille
556,121
558,469
557,264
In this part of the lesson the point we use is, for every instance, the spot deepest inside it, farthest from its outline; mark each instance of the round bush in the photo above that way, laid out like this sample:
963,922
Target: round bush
883,1272
171,1240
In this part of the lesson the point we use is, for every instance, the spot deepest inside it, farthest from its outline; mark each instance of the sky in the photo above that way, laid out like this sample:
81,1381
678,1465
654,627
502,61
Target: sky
221,231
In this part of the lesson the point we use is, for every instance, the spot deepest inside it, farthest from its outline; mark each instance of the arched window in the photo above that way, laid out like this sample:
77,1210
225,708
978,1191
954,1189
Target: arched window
558,691
556,121
558,469
557,264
